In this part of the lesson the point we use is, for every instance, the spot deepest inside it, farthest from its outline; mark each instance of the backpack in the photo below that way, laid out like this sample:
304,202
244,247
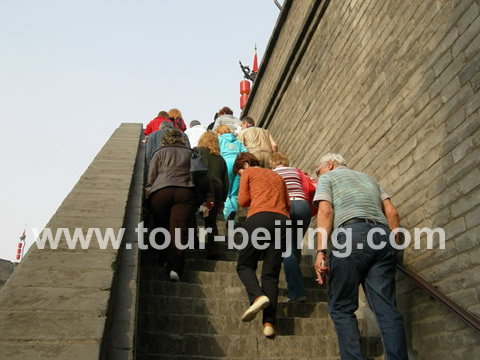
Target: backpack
179,124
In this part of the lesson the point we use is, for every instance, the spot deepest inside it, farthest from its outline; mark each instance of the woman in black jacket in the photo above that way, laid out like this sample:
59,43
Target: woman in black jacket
172,196
218,173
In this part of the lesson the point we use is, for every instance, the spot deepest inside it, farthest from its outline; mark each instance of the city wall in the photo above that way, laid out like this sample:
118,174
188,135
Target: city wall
393,86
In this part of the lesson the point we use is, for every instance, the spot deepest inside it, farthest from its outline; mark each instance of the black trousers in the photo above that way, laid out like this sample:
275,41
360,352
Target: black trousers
174,208
272,260
211,219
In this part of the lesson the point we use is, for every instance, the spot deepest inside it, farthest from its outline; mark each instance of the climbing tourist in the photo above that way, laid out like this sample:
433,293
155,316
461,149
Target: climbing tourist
230,147
355,202
194,131
217,170
154,125
155,139
258,141
300,217
171,193
176,117
225,117
266,194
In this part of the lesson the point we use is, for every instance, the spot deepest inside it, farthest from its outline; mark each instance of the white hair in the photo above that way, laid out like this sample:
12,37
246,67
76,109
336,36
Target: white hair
337,159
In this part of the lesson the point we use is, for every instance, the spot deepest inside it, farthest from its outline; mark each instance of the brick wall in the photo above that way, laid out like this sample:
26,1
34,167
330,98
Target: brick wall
393,86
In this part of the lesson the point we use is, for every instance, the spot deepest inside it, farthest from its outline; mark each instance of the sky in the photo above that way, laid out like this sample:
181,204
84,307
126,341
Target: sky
72,71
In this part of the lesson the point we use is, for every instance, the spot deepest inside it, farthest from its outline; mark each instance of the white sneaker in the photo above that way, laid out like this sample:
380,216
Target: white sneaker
174,276
268,330
260,303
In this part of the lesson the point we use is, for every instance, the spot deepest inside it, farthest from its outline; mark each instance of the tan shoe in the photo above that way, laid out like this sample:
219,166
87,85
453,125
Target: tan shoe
268,330
259,304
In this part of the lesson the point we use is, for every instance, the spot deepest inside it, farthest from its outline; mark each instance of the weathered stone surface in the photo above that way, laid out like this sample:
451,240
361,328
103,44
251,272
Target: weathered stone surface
56,303
6,269
33,350
394,88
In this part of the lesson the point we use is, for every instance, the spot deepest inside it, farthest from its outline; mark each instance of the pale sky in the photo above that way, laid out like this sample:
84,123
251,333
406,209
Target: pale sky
72,71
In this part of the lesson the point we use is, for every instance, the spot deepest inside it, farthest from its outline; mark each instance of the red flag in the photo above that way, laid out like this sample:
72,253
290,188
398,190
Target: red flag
255,61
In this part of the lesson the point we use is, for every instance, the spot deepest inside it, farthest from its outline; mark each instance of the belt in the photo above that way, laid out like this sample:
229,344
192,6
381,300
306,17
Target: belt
360,220
296,198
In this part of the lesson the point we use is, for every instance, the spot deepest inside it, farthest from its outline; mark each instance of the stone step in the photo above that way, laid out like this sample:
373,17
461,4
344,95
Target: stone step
306,265
231,325
237,346
191,290
182,357
164,304
214,346
220,279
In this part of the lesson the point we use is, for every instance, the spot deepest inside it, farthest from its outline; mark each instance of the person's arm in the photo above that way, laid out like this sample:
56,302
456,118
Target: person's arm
244,191
324,221
148,129
240,137
152,173
273,144
226,182
287,196
391,214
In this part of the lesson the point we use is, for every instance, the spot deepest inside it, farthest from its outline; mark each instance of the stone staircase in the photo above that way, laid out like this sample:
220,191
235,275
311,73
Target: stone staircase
199,317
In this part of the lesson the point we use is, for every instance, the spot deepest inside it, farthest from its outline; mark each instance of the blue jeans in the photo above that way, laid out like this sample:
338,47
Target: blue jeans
375,271
231,203
299,210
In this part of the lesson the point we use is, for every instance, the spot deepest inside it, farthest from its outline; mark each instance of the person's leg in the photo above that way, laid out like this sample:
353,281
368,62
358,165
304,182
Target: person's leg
248,261
379,287
231,203
299,211
182,210
346,272
161,202
211,222
272,262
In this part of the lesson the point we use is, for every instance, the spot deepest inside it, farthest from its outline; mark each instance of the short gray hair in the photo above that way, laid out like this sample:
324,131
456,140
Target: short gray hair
194,123
167,124
337,159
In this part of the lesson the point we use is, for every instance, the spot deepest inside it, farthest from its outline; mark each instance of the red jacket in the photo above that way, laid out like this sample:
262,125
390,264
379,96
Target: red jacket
154,125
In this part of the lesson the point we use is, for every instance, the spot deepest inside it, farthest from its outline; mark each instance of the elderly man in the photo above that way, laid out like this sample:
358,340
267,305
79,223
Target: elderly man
258,141
356,205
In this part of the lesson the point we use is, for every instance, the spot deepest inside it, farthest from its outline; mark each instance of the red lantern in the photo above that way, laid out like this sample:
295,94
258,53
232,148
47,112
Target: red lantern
19,245
243,101
244,87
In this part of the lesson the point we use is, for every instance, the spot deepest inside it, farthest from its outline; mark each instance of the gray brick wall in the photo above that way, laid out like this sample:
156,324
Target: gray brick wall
393,86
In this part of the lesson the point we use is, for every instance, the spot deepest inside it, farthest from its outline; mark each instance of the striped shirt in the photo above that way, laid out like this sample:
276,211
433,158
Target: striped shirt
352,194
292,179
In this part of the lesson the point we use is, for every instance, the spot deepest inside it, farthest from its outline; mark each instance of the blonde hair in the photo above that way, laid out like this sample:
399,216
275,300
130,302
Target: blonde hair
279,159
209,140
174,114
223,129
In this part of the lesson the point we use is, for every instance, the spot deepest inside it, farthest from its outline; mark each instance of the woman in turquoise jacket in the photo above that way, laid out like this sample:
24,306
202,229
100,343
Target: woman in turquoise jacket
230,147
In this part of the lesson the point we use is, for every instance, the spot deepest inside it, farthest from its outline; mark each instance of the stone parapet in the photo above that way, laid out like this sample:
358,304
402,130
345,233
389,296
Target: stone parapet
58,304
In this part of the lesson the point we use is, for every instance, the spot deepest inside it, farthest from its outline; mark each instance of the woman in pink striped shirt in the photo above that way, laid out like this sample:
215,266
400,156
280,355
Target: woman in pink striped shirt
300,217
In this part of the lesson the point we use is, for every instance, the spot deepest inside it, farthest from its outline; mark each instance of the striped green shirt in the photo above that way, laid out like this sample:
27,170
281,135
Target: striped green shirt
352,194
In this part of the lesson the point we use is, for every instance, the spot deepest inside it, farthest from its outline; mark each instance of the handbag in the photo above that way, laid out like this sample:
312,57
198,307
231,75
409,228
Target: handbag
309,187
200,177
